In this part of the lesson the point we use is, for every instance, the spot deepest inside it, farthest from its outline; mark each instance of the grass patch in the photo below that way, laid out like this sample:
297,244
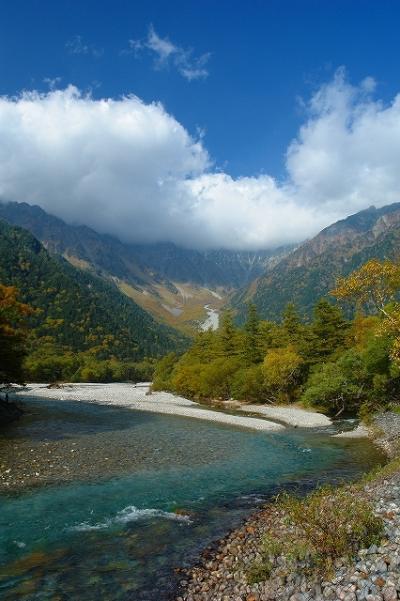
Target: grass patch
381,472
259,572
326,525
335,523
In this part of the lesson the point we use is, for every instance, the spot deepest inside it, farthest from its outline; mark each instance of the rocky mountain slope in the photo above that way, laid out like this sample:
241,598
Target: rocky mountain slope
174,284
310,271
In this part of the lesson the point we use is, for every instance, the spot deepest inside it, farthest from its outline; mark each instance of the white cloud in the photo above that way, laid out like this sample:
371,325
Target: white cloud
347,155
77,45
166,55
113,164
132,170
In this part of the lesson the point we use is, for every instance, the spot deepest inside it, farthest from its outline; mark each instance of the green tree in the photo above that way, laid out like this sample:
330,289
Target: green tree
12,335
204,347
163,372
339,385
251,347
217,378
227,336
328,331
291,324
248,384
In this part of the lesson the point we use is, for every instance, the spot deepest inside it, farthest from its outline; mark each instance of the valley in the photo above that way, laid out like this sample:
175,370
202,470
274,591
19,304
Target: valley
171,283
187,307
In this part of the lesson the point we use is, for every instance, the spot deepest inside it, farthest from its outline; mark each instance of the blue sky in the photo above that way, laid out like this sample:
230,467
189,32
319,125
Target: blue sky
265,55
287,95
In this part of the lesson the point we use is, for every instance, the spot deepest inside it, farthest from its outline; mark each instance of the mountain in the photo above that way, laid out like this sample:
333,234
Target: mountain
311,270
74,309
174,284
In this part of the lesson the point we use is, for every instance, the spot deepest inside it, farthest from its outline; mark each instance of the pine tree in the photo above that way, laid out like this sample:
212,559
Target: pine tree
227,336
328,330
204,346
251,350
291,324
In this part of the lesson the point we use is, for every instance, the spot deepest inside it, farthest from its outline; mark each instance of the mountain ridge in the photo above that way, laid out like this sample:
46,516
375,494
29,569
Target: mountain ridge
174,284
310,271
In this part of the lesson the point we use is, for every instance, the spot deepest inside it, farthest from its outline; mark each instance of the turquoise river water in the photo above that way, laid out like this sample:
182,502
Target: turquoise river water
128,496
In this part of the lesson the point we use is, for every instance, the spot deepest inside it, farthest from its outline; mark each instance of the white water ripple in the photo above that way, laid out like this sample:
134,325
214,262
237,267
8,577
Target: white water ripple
131,514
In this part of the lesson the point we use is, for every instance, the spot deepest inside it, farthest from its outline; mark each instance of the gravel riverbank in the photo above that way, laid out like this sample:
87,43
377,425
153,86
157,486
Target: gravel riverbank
137,397
292,416
373,575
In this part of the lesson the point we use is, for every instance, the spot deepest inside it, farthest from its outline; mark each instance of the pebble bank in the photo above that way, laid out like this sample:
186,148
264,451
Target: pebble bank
374,575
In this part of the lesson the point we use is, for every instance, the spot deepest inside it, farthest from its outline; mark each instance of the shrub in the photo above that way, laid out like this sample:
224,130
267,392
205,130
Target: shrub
248,384
163,372
335,523
326,525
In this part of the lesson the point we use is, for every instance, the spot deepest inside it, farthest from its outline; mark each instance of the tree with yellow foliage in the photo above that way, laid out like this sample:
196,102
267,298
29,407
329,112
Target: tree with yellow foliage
372,286
281,369
375,287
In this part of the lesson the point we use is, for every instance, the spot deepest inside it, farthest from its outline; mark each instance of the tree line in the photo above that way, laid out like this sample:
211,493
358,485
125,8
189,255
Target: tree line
332,363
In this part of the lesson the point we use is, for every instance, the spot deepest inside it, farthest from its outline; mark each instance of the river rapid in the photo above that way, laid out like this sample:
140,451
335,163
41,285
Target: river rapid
106,502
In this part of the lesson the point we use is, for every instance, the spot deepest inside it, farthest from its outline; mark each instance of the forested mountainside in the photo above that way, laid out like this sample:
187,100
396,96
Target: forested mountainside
310,271
174,284
139,263
75,310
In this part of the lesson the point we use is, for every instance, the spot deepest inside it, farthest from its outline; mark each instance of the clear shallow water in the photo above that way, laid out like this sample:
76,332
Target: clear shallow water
107,522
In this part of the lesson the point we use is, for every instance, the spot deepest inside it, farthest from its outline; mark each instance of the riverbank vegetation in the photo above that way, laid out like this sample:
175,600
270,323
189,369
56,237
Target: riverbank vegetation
326,525
332,363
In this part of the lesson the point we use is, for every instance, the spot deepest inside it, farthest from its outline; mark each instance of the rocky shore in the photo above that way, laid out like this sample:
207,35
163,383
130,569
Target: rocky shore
225,571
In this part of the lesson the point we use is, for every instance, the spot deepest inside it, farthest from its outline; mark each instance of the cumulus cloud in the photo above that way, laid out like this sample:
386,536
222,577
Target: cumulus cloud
132,170
166,55
347,155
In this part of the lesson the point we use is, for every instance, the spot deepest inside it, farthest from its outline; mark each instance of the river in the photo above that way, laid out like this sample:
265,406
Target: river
136,495
212,321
